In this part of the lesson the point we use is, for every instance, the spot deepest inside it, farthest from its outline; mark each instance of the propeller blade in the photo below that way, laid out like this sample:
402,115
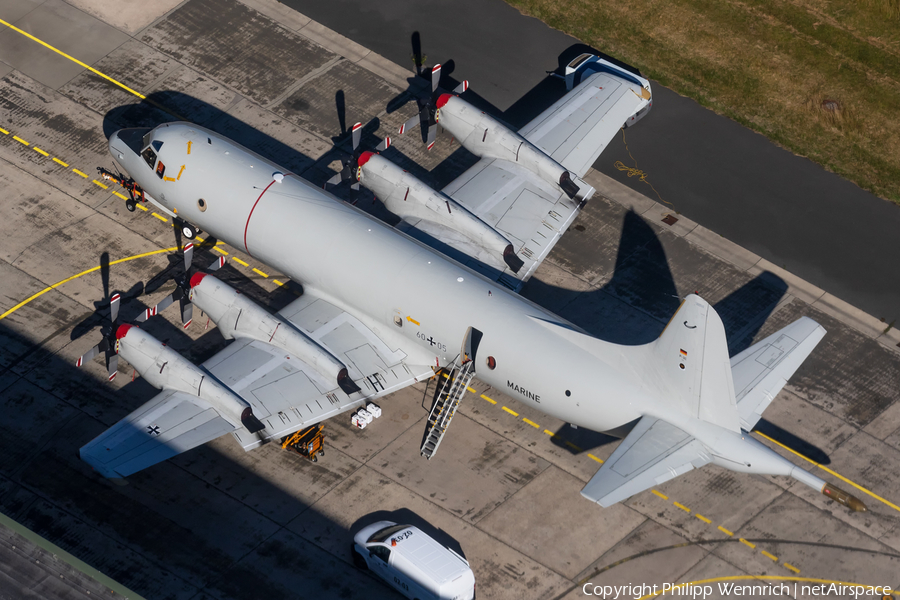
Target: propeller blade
187,312
412,122
384,145
432,133
89,355
112,365
435,77
149,312
188,256
114,307
333,181
461,87
356,133
216,264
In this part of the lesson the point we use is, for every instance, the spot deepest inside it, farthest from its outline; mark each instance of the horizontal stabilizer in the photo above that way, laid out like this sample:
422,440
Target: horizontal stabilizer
654,452
169,424
761,370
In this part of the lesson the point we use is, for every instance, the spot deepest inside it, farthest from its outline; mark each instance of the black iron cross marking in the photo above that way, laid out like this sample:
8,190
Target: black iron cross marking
153,429
430,340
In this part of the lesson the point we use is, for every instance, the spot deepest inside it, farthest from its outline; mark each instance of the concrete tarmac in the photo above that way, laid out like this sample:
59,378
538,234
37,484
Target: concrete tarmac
219,523
783,207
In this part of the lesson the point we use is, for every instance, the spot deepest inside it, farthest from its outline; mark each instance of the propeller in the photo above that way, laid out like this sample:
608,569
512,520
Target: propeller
108,344
182,292
350,162
427,103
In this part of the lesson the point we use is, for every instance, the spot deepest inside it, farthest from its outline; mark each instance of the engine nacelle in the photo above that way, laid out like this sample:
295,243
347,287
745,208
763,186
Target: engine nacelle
483,135
166,369
408,197
239,317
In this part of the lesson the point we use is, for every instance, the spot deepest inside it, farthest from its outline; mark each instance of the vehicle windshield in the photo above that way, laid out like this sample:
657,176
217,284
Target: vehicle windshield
383,534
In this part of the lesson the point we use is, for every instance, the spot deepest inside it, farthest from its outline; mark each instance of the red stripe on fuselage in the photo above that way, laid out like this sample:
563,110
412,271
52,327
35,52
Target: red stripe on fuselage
254,208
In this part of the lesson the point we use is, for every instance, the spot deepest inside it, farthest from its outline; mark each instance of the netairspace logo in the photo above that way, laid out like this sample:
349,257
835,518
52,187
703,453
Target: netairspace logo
724,589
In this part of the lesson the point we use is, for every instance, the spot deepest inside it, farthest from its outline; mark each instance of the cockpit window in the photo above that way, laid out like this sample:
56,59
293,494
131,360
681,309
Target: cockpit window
383,534
149,156
157,145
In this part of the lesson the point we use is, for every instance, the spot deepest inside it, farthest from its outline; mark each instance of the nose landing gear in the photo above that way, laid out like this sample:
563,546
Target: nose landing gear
187,230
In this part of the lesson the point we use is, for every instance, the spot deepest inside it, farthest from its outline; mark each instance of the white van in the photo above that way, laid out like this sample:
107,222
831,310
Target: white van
414,563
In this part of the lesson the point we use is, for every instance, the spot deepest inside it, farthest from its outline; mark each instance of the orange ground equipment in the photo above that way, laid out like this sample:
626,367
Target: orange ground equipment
136,194
309,442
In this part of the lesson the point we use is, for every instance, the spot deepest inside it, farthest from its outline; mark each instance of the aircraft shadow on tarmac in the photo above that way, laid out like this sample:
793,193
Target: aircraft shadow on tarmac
165,535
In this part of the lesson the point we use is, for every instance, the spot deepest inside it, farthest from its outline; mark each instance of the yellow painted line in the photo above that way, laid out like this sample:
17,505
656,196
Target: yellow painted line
829,471
769,555
142,207
671,590
681,506
77,172
122,196
488,399
277,282
471,390
413,321
532,423
550,433
3,131
791,568
74,60
573,446
746,543
725,531
258,272
160,217
239,261
83,273
660,494
104,186
600,460
220,251
512,412
189,149
18,139
39,151
182,169
59,162
702,518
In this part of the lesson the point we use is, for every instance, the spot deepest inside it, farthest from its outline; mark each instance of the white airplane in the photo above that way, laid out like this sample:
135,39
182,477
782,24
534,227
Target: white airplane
381,310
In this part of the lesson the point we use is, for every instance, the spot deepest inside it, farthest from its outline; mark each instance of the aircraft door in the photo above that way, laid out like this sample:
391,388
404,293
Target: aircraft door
470,344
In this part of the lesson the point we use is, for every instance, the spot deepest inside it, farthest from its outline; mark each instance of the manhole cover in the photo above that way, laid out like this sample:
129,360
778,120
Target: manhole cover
670,220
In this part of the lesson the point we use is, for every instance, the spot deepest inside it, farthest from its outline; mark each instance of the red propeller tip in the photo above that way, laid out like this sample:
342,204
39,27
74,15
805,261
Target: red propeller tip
436,68
196,278
357,126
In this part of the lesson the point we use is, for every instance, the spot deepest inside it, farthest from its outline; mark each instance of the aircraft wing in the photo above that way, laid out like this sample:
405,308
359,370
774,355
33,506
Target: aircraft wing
654,452
760,371
286,393
530,212
169,424
576,129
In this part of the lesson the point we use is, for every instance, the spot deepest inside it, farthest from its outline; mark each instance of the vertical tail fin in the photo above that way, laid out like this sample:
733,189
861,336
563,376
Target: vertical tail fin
692,359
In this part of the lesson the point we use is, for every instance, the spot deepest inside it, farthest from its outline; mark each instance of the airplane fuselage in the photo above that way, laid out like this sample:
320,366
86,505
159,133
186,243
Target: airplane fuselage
383,276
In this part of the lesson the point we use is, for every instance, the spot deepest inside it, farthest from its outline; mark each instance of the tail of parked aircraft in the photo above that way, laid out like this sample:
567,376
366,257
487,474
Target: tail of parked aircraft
690,362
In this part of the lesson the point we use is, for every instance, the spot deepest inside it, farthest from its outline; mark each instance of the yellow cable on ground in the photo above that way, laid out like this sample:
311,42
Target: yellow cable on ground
635,172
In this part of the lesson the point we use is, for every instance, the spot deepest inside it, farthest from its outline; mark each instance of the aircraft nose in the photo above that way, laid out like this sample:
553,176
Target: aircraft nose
116,145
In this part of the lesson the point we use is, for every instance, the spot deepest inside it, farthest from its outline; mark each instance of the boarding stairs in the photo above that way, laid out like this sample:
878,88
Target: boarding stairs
452,391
